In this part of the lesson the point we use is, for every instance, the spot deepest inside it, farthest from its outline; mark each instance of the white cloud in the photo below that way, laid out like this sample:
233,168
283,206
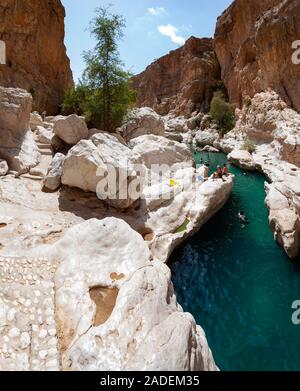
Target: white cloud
171,32
156,11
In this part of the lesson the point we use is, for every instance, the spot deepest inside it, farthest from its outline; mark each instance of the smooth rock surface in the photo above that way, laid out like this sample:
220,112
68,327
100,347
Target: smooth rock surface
52,180
145,309
70,129
141,122
242,159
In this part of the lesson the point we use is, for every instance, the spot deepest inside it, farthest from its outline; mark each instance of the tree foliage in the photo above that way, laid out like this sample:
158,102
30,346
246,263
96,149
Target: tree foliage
222,112
103,95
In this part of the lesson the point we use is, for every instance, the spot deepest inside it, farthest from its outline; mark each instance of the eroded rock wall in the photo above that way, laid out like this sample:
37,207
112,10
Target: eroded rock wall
36,59
182,81
253,43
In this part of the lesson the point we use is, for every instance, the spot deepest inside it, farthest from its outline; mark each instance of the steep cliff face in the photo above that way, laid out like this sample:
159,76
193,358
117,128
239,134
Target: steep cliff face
253,43
182,81
33,32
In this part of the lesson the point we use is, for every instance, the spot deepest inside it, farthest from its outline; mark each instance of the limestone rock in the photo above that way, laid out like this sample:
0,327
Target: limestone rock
70,129
268,120
141,122
52,180
253,43
17,145
3,167
160,150
284,221
206,137
35,121
36,60
174,136
208,148
130,331
242,159
87,162
175,124
44,136
180,82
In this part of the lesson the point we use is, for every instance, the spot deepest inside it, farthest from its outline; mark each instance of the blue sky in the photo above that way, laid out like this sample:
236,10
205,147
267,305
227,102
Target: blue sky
154,27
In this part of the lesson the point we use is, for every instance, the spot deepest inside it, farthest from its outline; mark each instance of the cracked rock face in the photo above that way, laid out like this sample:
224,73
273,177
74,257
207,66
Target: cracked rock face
180,82
36,59
253,43
17,145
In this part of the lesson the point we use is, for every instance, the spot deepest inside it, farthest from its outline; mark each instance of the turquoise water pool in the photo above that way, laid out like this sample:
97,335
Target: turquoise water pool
239,284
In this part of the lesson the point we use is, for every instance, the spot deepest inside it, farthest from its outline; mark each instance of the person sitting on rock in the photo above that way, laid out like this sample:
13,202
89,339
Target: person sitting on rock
219,172
225,170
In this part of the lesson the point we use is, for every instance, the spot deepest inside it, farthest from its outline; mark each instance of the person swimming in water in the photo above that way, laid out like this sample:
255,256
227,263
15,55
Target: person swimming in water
242,217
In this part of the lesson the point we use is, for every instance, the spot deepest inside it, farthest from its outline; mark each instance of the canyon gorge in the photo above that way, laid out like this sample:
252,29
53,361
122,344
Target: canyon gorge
85,282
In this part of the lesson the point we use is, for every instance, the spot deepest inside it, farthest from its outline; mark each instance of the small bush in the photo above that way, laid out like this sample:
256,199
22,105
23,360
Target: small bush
247,101
222,112
206,122
249,146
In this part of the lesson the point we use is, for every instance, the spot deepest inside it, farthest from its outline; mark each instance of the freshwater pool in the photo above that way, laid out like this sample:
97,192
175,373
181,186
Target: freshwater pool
239,284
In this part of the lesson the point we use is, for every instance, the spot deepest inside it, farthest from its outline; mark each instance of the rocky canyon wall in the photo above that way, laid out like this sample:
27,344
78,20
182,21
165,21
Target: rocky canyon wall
36,59
253,43
182,81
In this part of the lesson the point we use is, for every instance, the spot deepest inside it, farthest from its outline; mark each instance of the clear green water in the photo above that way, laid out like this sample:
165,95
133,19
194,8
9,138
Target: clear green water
239,284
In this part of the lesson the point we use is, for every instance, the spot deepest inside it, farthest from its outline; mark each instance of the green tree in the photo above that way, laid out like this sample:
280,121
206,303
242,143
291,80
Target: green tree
222,112
103,95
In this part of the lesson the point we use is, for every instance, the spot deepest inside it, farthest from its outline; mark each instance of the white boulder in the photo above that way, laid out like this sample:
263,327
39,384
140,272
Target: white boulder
131,321
242,159
44,136
87,164
141,122
3,167
206,137
70,129
160,150
35,121
17,145
52,180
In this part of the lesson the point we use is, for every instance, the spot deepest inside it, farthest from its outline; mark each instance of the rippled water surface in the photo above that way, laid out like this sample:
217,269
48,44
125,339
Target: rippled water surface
239,284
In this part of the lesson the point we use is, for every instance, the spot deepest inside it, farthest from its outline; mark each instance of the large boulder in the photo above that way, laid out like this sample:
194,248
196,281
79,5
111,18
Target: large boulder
17,145
206,137
44,136
160,150
70,129
242,159
284,221
35,121
116,310
52,180
141,122
3,167
87,164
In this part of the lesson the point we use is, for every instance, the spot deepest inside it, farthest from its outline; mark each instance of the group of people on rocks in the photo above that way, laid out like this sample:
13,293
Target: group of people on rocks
220,172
